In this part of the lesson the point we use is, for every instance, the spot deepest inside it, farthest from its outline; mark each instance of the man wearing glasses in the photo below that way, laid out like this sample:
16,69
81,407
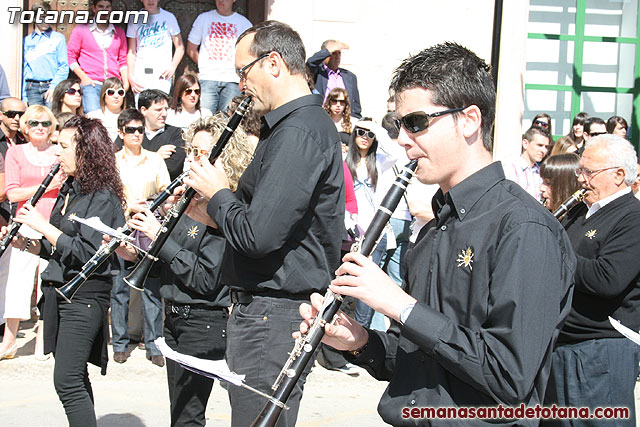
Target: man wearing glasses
593,126
283,222
605,233
11,109
489,280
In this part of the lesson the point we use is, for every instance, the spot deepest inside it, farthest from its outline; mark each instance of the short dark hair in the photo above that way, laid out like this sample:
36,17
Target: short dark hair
388,124
129,115
593,121
536,130
148,97
456,78
274,36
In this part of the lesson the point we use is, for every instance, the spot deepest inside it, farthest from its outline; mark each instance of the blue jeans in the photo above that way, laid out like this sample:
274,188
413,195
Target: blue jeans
216,96
393,262
91,97
35,93
362,313
151,313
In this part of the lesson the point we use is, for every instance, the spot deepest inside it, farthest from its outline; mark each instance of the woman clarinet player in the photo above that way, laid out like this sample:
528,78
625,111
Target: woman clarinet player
196,303
78,332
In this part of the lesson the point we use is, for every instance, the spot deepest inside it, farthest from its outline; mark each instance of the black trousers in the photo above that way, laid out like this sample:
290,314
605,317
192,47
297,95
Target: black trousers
80,324
200,333
258,346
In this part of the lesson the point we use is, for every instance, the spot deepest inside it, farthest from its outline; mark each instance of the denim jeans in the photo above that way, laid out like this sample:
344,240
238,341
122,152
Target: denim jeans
80,324
362,313
91,97
216,96
151,313
35,93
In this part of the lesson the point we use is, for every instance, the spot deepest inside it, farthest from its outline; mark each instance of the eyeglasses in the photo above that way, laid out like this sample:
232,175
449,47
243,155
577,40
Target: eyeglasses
188,91
13,113
73,91
242,72
196,152
112,92
541,124
592,134
588,173
338,101
418,121
130,130
35,123
362,132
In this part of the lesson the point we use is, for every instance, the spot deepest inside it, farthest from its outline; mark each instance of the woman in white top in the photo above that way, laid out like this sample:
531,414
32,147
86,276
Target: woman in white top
111,105
185,105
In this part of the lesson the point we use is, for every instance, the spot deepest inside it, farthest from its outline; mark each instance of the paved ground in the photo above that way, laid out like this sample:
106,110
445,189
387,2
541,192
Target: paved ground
135,394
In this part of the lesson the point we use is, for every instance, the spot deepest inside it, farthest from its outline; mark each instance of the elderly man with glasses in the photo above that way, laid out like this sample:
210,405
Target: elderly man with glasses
593,365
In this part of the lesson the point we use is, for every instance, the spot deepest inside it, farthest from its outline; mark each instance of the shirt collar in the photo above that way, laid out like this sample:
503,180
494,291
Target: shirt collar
602,203
273,117
94,28
46,33
464,196
330,71
525,165
151,134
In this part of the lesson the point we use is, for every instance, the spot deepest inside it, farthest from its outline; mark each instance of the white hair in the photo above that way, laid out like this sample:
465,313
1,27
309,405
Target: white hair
617,152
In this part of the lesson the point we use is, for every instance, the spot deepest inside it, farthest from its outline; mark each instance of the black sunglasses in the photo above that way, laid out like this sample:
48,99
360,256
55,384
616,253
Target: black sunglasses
73,91
112,92
242,72
129,130
418,121
541,124
188,91
13,113
362,132
592,134
35,123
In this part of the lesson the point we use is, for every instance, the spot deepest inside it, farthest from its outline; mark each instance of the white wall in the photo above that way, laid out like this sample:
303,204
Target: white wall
11,59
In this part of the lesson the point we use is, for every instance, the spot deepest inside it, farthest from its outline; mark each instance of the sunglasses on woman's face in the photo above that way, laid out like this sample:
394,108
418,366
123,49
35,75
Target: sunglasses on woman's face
112,92
35,123
338,101
196,152
72,91
189,90
130,130
363,132
541,124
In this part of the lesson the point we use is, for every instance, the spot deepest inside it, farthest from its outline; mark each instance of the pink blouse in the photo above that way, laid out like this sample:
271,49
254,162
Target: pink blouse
20,172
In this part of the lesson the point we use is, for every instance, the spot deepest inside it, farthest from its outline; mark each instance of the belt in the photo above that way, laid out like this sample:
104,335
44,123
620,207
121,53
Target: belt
37,81
242,297
183,310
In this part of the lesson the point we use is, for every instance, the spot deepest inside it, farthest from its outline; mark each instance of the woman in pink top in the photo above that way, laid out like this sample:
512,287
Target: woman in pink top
26,166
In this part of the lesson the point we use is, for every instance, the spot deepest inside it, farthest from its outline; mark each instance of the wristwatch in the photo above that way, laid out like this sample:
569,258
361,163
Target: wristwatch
404,314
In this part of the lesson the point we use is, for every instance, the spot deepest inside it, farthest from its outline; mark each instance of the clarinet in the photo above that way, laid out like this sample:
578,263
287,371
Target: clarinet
306,345
106,249
140,272
568,204
15,226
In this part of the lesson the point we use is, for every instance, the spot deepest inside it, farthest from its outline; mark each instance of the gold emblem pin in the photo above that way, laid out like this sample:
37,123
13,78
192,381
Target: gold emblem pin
591,233
193,232
465,258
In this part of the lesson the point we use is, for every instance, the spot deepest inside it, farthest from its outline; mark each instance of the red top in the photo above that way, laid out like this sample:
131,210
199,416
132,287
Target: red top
350,202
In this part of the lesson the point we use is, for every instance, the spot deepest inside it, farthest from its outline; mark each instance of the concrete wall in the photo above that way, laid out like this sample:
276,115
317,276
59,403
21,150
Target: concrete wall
11,59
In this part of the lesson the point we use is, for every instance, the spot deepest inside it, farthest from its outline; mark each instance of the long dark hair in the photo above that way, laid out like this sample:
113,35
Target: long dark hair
60,91
560,171
354,156
346,114
95,158
183,82
579,119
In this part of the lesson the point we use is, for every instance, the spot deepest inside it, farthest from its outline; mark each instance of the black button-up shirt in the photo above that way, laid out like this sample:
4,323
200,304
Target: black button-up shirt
192,264
284,223
493,278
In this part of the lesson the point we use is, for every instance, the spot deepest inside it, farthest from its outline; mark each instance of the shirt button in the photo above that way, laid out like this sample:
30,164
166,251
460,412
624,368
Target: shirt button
370,361
264,318
413,401
444,227
463,210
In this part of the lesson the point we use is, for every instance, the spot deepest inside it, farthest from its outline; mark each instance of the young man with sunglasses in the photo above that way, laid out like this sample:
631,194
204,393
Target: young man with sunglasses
283,222
144,174
489,280
11,110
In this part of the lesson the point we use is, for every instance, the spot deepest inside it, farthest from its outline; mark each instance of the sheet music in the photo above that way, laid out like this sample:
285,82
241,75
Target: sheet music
632,335
95,223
